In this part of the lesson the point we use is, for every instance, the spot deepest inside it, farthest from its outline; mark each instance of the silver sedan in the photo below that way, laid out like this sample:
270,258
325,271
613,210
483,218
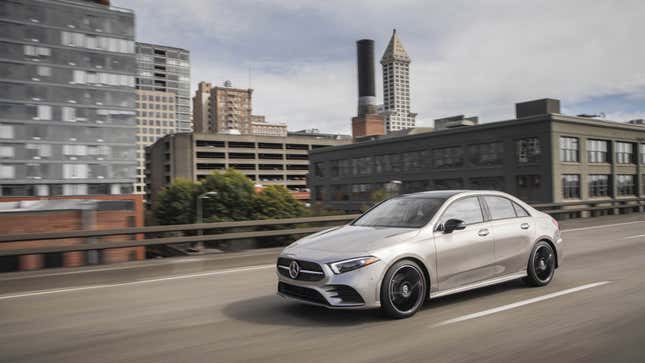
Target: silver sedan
419,246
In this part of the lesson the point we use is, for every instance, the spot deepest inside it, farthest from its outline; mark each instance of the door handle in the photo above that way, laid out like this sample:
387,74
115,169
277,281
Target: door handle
483,232
524,226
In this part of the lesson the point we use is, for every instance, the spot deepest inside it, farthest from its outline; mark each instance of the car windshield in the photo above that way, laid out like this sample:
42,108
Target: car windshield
401,212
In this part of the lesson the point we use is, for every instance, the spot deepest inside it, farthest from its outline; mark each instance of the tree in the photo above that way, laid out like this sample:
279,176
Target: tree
234,199
277,202
177,203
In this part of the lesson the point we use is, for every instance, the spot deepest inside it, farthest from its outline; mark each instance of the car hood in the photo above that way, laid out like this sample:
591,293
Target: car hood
347,240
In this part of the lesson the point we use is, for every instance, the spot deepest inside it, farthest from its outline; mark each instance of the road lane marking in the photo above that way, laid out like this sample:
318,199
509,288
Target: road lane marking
637,236
520,303
600,226
140,282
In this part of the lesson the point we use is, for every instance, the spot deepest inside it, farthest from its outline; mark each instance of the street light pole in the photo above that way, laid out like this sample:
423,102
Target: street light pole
200,215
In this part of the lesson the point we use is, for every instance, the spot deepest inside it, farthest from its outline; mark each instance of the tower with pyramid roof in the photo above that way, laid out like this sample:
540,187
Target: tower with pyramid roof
396,86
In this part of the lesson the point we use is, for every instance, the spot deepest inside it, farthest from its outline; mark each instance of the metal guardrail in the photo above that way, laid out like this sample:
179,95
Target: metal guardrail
149,236
152,241
590,205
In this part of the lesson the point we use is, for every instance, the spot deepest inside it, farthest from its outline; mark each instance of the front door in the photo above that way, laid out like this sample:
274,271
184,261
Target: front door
464,256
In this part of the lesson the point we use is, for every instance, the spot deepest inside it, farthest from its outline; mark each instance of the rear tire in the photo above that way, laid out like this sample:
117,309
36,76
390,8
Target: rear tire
404,290
541,266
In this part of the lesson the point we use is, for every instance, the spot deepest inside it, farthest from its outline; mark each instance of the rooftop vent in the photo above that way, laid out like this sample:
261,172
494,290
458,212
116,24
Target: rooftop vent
537,107
454,121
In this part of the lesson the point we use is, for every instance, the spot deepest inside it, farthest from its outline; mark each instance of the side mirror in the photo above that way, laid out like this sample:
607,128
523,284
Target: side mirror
453,224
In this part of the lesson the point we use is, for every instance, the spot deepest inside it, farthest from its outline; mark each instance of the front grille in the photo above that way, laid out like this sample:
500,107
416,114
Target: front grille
309,271
346,293
302,293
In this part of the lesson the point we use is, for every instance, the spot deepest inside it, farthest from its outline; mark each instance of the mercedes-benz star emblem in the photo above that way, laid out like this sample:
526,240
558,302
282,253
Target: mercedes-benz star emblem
294,269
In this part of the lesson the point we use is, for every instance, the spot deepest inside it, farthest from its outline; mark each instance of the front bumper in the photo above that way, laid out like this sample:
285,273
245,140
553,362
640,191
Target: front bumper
356,289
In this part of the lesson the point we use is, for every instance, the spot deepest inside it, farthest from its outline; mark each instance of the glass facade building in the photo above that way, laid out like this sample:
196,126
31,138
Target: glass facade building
67,98
166,69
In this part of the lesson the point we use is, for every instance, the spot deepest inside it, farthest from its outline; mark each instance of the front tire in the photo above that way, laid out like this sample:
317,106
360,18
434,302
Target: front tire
403,290
541,266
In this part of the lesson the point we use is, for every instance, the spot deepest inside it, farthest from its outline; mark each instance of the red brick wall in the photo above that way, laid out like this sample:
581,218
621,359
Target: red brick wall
367,125
71,220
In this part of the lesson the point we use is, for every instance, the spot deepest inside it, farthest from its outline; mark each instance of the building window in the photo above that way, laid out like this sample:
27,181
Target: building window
6,131
597,151
625,185
69,114
74,189
448,157
528,150
447,184
339,192
486,154
44,112
599,185
319,169
44,71
75,171
569,149
643,153
487,183
6,151
624,153
361,192
570,186
7,172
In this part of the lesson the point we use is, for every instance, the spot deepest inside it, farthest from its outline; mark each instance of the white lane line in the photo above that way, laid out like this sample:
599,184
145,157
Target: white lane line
521,303
637,236
600,226
140,282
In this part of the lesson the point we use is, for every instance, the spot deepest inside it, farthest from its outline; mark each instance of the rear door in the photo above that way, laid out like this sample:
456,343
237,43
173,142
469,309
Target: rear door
512,229
464,256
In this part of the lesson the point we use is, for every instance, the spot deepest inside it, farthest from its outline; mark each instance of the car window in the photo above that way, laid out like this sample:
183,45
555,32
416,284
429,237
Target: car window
499,208
519,211
401,212
466,209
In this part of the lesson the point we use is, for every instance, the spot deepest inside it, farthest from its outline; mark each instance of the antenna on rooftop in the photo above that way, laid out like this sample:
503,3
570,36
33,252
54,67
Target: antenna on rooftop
250,75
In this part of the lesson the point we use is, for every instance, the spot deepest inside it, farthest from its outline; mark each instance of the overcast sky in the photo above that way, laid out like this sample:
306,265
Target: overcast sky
468,57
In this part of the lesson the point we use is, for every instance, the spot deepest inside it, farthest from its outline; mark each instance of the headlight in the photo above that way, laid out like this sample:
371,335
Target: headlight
352,264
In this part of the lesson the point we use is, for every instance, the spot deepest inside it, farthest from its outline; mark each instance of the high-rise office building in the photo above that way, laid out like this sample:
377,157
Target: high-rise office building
228,110
67,102
396,86
202,114
156,117
163,97
166,69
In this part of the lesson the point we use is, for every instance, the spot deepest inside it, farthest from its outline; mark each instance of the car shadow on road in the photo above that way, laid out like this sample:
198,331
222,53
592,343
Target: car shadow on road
274,310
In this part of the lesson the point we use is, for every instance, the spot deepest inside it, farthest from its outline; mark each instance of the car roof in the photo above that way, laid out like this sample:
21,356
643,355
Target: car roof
443,194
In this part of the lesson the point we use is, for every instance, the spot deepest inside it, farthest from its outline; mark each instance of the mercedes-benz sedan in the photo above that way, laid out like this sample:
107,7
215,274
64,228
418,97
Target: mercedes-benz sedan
418,246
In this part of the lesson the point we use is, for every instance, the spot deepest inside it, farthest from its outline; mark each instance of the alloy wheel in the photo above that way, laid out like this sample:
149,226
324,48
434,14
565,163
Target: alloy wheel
544,263
406,289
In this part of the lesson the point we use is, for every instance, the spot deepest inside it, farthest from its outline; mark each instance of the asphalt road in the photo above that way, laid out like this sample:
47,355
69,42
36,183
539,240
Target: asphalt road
224,309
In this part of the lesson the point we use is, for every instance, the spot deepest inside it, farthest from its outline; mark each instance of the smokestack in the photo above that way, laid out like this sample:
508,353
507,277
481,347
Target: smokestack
366,86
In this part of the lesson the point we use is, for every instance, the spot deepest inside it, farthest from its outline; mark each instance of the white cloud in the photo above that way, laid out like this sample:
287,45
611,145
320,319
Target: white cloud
477,58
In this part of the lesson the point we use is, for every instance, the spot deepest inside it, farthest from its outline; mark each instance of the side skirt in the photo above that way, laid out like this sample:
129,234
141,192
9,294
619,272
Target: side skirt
476,285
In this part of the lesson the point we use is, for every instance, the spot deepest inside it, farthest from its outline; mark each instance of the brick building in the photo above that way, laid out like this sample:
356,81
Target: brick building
228,110
62,214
